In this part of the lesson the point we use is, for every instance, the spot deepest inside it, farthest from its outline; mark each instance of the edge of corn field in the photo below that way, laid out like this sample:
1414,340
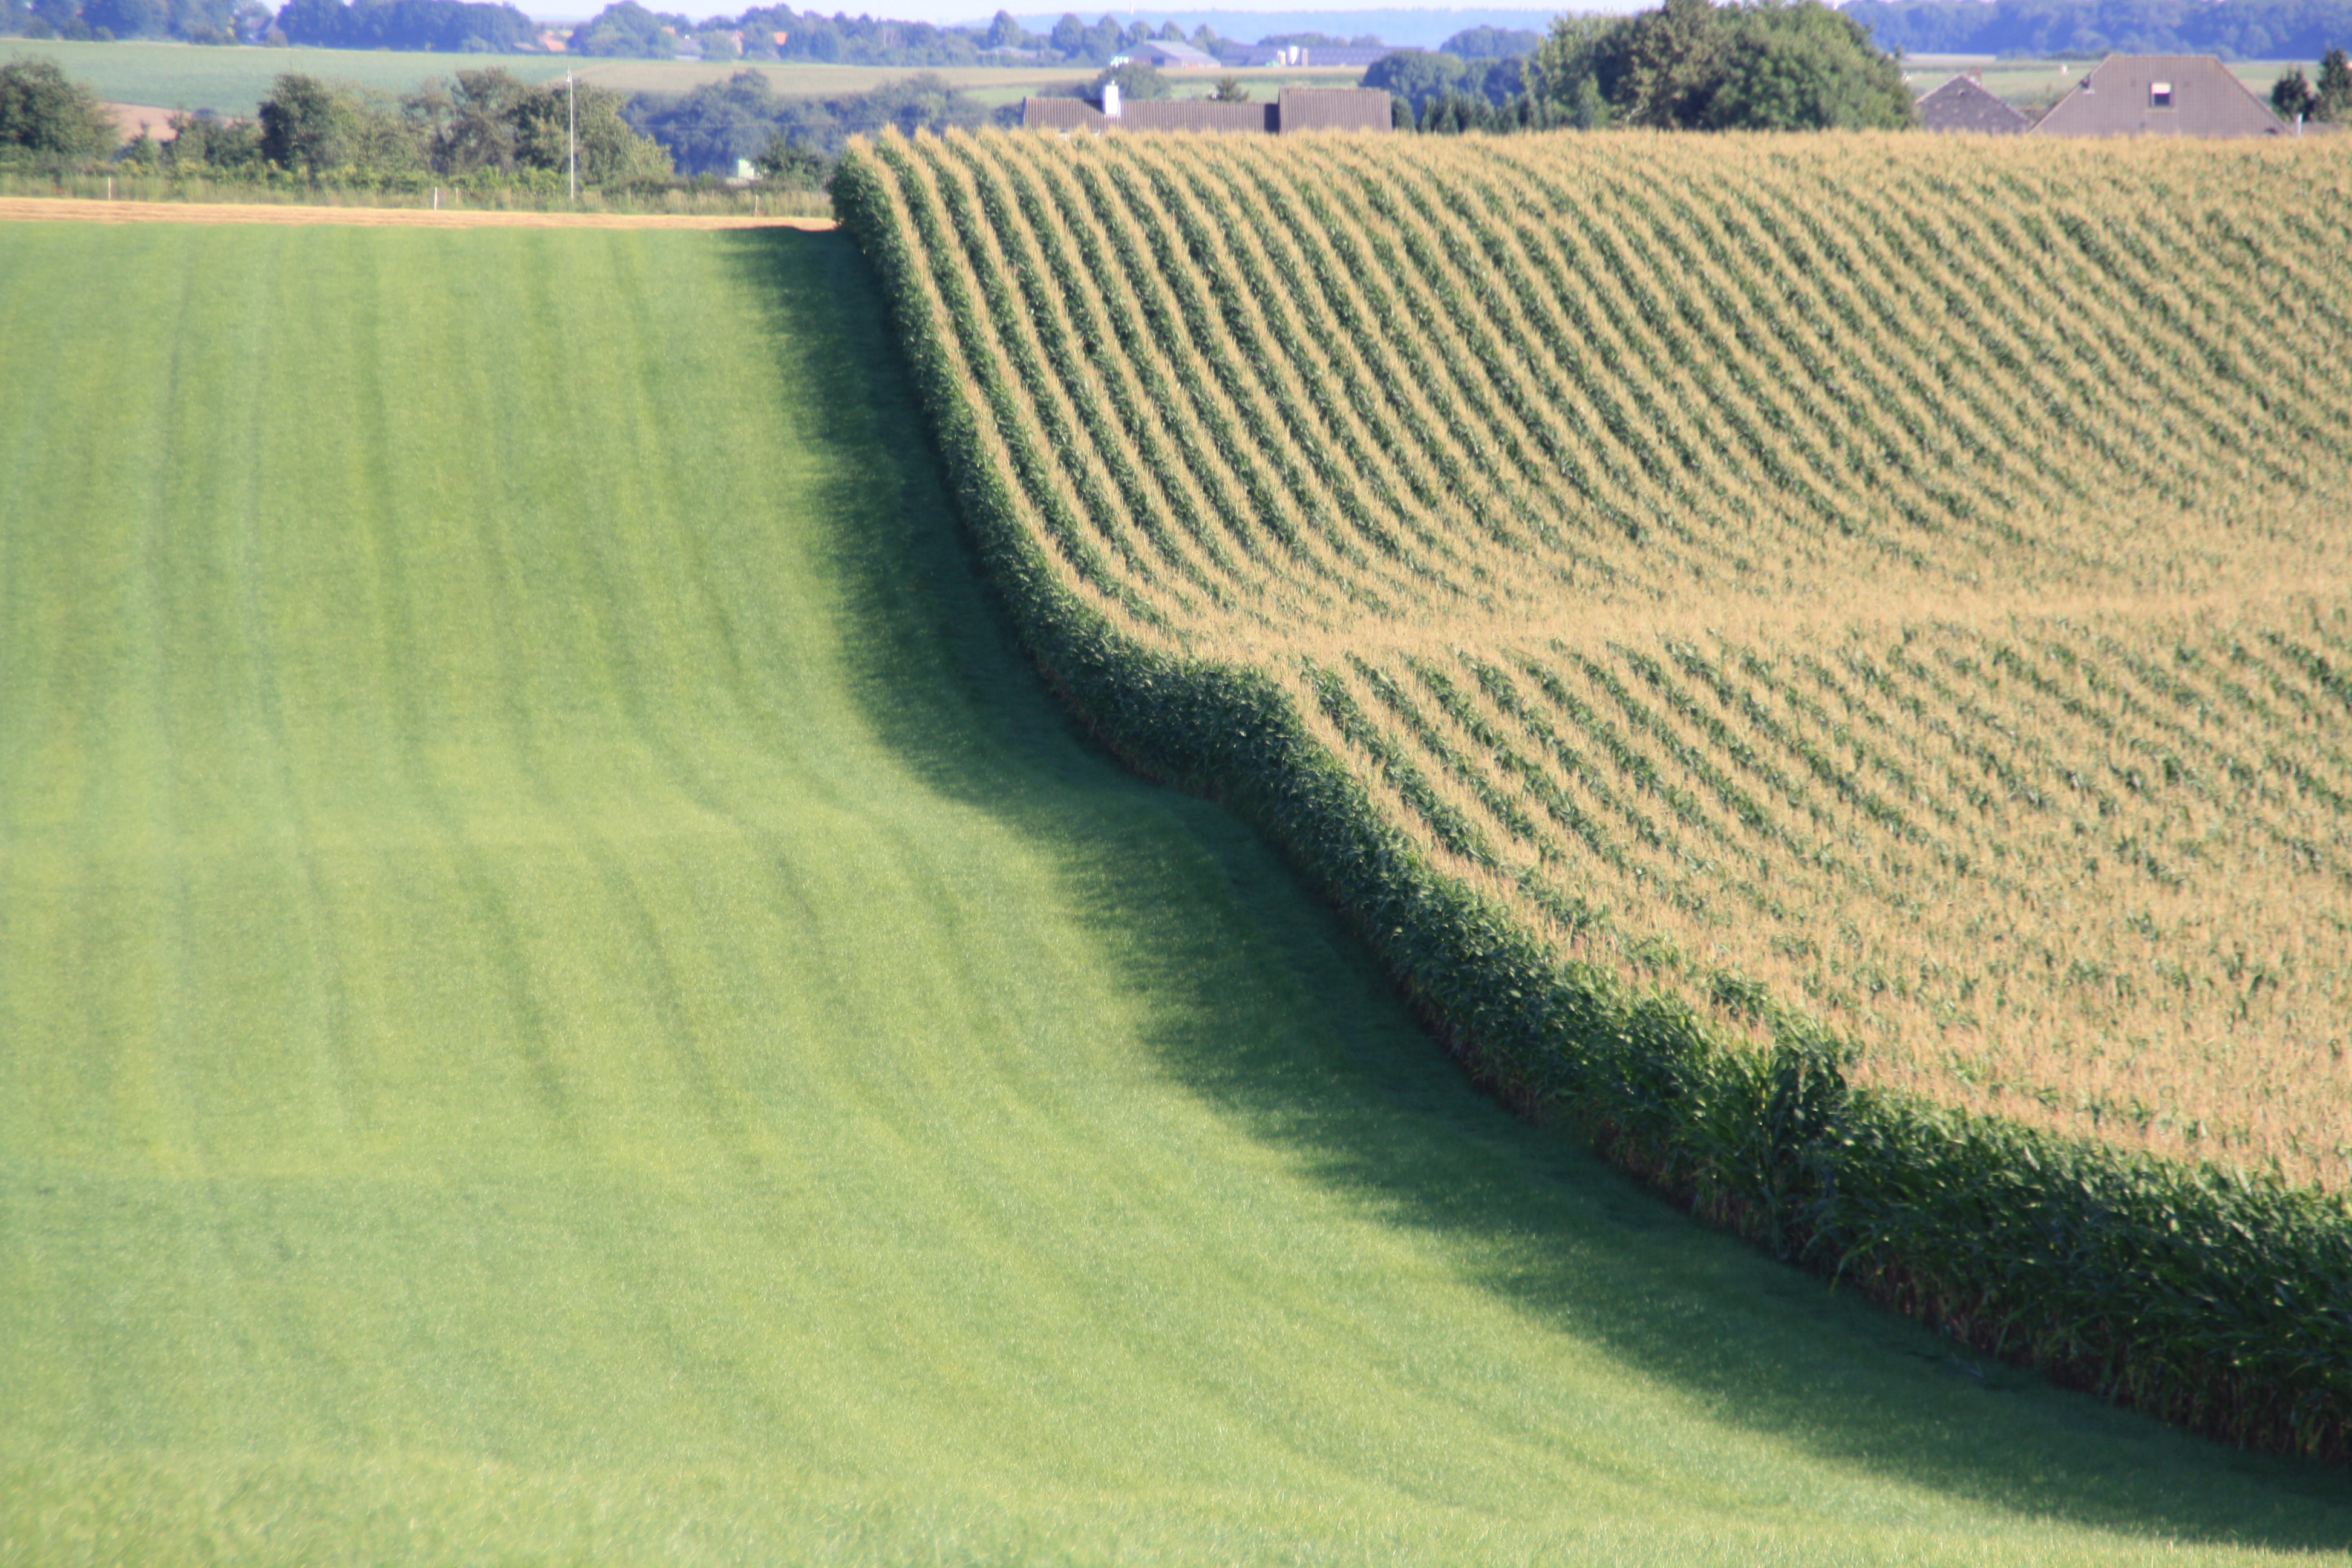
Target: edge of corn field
2215,1300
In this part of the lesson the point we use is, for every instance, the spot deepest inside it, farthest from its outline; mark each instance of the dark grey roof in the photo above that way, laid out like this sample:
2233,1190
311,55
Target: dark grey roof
1300,109
1334,108
2121,98
1963,104
1060,114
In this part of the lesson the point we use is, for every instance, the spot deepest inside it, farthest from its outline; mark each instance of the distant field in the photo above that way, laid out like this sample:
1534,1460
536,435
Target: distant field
235,81
989,84
566,996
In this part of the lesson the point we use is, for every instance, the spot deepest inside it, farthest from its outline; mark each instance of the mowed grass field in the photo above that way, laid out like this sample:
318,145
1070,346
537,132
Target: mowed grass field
565,996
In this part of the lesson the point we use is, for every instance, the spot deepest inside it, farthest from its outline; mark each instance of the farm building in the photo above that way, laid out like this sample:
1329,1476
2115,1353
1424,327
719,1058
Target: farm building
1962,104
1170,56
1354,56
1298,110
2161,95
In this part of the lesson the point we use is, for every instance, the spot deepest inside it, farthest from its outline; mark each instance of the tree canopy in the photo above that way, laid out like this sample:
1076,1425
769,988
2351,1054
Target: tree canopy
1421,77
2244,29
450,26
481,121
43,111
711,127
1140,81
2333,96
1769,65
1484,43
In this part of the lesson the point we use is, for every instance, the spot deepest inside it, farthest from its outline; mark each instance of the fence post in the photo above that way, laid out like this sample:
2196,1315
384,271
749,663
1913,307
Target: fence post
109,187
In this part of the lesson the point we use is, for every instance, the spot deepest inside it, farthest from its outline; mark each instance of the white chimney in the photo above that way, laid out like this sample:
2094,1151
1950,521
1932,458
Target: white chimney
1110,101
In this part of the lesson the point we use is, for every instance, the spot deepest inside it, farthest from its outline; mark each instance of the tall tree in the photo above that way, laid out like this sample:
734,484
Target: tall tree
1661,68
1769,65
470,124
2333,92
305,125
1419,76
1005,33
609,152
2292,96
1803,66
44,111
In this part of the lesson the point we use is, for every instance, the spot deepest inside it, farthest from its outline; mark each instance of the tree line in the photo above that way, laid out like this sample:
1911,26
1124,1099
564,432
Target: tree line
717,125
2329,100
447,26
484,125
628,28
2242,29
478,122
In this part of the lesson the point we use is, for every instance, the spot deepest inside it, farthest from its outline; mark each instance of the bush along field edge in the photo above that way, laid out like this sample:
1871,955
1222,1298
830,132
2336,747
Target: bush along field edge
2219,1300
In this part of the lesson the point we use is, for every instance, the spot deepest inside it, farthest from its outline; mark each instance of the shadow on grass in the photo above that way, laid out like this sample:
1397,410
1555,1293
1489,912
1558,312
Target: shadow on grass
1365,1101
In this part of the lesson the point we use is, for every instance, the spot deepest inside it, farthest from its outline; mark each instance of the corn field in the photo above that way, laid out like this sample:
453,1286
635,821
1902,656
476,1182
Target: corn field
1890,577
1825,657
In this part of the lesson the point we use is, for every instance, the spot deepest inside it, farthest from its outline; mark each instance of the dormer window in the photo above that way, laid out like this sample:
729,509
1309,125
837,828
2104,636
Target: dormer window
2160,95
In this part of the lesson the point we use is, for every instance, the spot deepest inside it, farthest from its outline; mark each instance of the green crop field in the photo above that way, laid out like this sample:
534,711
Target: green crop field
565,995
1824,635
1736,614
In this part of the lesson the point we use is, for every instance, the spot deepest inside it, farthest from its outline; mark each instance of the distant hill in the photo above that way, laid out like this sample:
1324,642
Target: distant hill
2243,29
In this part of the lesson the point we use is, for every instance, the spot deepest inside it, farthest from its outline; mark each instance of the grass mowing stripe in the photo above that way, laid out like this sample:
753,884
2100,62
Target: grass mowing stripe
562,993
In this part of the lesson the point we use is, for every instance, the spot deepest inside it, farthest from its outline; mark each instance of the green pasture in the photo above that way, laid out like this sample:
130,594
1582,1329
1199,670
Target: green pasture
235,81
566,996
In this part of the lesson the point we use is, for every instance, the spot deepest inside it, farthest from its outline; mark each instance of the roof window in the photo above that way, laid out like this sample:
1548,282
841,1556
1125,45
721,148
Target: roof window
2160,95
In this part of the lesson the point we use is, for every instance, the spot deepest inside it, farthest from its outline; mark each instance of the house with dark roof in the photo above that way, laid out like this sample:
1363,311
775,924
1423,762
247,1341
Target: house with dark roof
1297,110
1962,104
2161,95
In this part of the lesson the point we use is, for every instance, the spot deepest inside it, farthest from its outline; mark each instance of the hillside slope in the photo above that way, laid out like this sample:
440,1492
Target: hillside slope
564,995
